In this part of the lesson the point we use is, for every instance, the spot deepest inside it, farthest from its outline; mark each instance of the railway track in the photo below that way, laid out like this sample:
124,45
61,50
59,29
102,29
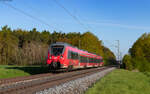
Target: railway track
32,84
8,81
18,79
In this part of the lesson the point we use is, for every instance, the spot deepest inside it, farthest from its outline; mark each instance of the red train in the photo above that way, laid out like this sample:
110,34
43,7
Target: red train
63,55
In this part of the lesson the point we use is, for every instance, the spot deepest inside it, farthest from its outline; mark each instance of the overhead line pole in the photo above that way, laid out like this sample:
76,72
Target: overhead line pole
118,48
79,43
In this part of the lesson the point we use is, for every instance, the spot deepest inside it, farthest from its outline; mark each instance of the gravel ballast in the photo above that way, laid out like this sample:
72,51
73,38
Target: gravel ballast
78,86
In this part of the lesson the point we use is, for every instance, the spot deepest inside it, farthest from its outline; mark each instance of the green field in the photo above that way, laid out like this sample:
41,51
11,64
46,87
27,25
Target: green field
122,82
15,71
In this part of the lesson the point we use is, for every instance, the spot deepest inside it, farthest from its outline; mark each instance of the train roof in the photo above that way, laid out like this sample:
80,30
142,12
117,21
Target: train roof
60,43
66,44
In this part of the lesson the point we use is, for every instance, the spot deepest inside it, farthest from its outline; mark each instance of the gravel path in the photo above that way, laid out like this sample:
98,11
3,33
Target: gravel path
78,86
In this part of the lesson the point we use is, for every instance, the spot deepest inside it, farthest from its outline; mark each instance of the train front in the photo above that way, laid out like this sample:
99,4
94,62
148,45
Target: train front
55,56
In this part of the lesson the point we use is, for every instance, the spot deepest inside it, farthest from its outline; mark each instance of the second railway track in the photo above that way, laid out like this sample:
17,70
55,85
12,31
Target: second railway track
31,86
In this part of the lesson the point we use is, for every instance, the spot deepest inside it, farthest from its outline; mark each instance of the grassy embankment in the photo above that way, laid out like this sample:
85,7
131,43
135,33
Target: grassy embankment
15,71
122,82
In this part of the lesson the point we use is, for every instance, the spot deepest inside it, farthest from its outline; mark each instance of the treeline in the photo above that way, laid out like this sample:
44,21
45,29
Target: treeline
139,54
23,47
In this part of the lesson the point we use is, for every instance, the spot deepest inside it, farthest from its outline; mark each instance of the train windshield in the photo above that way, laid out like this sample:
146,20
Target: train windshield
57,50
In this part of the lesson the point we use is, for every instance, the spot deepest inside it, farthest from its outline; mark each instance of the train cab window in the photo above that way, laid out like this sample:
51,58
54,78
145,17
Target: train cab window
57,50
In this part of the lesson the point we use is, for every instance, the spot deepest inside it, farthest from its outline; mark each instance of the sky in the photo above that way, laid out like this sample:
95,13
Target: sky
109,20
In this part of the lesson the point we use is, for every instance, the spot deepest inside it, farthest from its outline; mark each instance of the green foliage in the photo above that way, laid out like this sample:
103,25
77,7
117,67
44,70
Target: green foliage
109,57
8,45
127,61
140,48
21,47
91,43
141,64
122,82
140,53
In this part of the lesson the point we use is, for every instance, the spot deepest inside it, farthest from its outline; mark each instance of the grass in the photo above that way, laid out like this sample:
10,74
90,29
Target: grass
122,82
16,71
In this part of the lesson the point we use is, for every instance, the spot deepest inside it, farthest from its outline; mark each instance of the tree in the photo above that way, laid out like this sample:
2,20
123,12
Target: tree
140,53
46,37
8,45
109,56
91,43
127,61
23,47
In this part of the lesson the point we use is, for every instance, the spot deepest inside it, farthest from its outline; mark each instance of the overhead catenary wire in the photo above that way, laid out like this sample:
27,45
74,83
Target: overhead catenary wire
69,13
117,47
83,19
27,14
43,22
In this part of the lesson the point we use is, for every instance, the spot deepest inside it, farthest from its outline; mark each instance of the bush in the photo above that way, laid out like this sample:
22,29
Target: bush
127,62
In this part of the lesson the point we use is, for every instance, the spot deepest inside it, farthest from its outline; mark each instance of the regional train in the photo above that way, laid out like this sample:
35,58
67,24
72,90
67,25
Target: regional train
64,56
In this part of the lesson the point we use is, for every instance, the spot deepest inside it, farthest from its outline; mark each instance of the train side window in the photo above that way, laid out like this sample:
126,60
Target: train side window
87,59
101,60
69,54
90,60
96,61
93,60
83,59
74,55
